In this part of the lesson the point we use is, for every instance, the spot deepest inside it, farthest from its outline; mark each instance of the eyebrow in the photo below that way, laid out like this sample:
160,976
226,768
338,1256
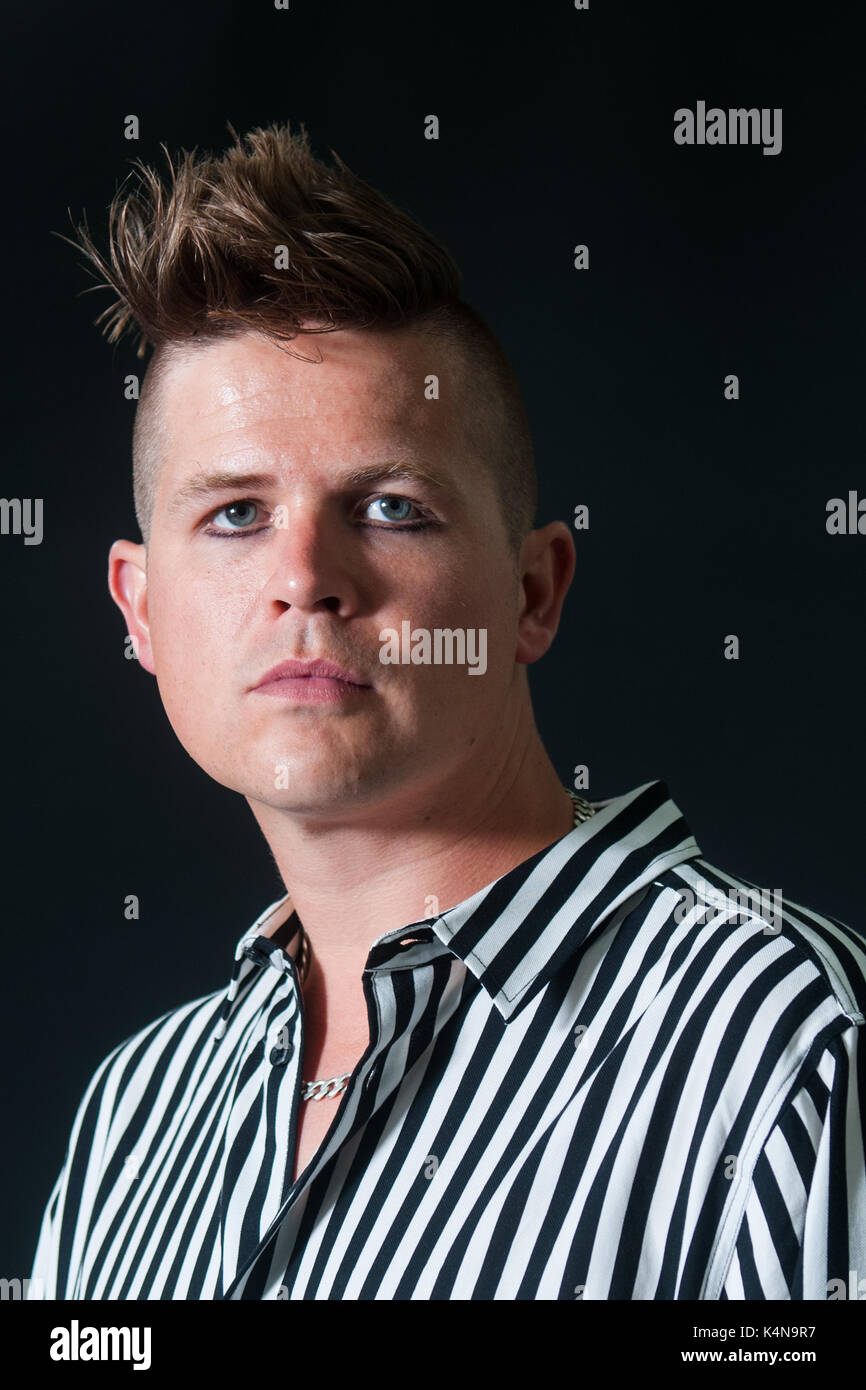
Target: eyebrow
205,484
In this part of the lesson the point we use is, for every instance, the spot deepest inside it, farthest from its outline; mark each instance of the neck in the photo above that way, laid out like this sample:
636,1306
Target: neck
354,874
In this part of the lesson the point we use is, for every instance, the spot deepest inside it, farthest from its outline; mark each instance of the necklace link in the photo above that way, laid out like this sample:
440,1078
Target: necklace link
318,1090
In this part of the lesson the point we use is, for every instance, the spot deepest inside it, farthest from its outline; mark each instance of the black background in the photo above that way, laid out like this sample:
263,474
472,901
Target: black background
707,516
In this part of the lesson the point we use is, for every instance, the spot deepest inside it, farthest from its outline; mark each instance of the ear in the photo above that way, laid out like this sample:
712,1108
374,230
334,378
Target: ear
127,584
546,567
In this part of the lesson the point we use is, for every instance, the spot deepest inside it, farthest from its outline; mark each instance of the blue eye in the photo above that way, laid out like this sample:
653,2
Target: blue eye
388,501
239,512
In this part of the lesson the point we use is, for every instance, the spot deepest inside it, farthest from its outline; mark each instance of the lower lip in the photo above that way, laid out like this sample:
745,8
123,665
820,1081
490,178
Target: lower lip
312,690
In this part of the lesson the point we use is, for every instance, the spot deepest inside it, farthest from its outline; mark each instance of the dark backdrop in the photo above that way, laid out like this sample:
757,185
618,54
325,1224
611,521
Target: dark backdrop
707,516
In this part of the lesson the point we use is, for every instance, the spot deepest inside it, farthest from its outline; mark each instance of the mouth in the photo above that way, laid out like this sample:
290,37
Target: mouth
312,682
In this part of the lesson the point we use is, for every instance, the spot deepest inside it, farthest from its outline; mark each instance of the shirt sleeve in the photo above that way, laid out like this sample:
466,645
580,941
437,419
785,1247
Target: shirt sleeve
43,1277
803,1230
54,1273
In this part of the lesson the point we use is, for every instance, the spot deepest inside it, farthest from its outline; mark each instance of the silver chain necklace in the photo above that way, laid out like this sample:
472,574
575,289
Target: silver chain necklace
319,1090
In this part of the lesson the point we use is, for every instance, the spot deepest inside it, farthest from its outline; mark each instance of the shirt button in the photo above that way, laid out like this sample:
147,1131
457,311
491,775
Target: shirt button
372,1076
281,1053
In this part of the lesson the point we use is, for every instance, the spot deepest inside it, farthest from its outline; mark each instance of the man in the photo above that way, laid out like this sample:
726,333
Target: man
495,1042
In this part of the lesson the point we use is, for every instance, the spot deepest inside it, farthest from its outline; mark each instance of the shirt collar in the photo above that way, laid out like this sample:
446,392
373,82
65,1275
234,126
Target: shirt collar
517,931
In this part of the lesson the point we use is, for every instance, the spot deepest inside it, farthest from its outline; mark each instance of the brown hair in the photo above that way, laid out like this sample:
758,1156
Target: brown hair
193,260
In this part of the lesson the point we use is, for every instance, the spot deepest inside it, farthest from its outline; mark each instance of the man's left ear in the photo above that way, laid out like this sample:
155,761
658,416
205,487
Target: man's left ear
127,584
546,567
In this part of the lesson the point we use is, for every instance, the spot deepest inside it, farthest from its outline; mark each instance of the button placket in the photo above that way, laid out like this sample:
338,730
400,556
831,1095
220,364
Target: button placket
283,1048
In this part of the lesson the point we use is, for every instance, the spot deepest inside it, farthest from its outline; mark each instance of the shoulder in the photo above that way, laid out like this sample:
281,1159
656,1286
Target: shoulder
809,963
140,1067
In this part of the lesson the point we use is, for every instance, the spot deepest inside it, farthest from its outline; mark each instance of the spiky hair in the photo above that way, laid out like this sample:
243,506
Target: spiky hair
268,238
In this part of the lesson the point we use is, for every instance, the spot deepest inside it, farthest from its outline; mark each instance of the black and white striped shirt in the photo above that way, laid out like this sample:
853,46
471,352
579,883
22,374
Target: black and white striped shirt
602,1076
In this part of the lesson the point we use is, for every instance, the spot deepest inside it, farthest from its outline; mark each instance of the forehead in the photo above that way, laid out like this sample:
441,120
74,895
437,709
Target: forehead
356,386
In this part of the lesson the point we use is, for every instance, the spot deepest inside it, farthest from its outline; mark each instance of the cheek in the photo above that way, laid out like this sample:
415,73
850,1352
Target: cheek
485,615
192,641
464,589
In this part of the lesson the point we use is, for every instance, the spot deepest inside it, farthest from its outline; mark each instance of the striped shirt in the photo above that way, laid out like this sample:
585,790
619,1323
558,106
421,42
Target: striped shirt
615,1072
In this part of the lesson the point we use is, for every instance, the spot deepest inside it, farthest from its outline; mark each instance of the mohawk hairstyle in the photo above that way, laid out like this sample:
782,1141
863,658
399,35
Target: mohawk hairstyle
194,259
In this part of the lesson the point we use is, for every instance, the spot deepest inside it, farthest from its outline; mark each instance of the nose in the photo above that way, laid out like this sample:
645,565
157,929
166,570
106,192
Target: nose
309,563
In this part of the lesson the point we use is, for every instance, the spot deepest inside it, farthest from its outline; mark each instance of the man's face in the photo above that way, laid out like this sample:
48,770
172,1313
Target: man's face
312,563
